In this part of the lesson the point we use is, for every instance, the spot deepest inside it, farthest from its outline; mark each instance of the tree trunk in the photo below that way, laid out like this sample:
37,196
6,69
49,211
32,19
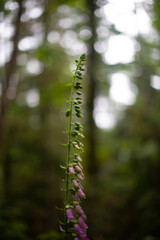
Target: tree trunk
91,133
92,161
10,69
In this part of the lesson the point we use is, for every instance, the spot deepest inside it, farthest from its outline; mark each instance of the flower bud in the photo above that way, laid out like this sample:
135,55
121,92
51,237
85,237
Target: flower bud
76,197
82,174
82,223
80,185
75,183
78,168
84,216
81,193
77,147
79,158
80,165
80,177
80,135
68,111
79,210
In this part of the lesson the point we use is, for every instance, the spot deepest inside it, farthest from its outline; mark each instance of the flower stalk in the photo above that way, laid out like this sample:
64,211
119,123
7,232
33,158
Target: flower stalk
74,217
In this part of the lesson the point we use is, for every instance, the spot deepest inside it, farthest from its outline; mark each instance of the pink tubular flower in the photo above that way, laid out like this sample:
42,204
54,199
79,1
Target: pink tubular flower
82,174
75,183
80,232
77,238
78,168
81,193
79,175
82,223
70,214
84,216
71,170
77,147
76,197
80,185
80,165
85,238
79,158
79,209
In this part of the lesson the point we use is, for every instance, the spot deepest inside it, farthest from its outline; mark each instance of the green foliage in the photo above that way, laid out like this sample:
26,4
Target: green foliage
50,235
11,225
156,9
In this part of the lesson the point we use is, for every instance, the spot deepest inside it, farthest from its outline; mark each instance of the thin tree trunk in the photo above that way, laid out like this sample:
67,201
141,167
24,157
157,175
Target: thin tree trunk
91,133
92,161
10,68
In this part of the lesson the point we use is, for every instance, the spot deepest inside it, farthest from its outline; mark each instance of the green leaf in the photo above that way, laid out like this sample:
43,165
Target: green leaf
63,167
64,144
60,222
61,229
68,206
69,84
61,209
68,112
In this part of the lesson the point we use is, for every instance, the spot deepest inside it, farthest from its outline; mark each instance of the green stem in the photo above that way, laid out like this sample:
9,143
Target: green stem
69,154
68,161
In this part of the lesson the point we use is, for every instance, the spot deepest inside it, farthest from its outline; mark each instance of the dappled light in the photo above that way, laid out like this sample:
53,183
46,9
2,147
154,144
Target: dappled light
104,115
34,12
120,83
53,37
72,45
85,33
155,82
5,49
32,98
34,67
9,5
120,50
29,43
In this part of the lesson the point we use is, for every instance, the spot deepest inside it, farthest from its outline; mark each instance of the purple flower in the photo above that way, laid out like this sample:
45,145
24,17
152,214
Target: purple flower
79,175
71,170
81,193
80,185
82,174
80,165
80,232
79,209
82,223
84,216
76,197
77,238
78,168
75,183
79,158
81,212
85,238
70,214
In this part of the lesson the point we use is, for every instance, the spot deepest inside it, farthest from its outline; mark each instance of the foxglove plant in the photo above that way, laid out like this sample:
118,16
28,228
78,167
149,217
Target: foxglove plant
74,222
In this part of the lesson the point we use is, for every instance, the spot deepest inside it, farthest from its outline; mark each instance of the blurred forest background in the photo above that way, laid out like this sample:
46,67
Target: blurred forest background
39,41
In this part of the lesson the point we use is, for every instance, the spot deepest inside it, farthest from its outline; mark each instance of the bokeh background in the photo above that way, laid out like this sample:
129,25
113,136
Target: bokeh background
39,41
